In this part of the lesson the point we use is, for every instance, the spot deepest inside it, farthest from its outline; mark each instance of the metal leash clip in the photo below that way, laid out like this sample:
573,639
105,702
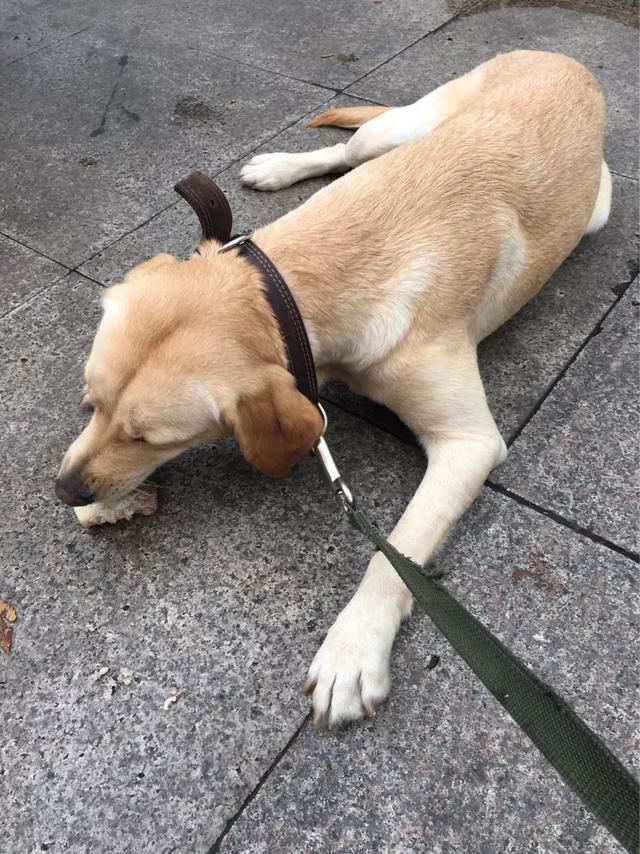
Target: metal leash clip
330,469
238,240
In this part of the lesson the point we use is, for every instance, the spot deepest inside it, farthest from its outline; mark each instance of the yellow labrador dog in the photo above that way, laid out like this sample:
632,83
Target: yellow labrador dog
461,207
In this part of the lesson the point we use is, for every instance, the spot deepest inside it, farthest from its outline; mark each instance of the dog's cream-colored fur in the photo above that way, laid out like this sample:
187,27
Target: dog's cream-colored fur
461,207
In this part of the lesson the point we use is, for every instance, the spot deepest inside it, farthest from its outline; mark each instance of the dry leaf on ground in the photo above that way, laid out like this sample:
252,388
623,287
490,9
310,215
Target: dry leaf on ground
8,611
7,615
6,633
173,697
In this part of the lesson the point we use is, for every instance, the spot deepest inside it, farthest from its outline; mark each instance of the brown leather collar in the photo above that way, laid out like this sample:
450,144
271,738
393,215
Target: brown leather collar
213,210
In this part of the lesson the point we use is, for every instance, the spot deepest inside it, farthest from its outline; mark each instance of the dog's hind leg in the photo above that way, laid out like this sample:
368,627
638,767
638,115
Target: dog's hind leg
380,130
350,672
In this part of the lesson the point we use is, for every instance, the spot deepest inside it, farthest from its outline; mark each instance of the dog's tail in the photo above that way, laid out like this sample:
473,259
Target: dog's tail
346,117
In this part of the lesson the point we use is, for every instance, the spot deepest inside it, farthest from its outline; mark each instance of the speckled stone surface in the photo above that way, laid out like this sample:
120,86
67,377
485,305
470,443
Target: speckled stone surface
442,768
331,44
608,48
24,273
176,230
27,27
579,454
225,595
114,116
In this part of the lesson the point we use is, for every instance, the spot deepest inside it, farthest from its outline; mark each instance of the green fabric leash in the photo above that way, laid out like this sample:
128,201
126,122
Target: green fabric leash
584,762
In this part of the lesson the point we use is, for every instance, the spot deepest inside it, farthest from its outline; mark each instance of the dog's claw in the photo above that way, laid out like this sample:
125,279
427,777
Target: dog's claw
308,686
369,708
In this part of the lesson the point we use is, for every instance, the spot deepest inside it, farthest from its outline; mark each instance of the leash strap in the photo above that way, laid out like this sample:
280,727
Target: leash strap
583,761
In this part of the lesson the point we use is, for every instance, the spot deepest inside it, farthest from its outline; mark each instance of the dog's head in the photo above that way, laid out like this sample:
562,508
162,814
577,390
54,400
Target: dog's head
186,352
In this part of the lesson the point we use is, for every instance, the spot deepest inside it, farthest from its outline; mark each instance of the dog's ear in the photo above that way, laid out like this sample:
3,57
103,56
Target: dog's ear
277,426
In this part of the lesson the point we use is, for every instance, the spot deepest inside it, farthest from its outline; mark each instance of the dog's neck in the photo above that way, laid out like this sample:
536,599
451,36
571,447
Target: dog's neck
318,278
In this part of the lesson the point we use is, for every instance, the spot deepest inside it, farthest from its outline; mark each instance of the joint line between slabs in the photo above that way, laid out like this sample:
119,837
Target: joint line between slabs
263,779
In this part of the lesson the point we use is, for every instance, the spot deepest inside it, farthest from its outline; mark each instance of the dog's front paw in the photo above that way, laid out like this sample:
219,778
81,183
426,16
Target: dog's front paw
270,171
350,672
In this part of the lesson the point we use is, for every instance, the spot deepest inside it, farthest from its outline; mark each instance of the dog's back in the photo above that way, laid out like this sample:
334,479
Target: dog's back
496,196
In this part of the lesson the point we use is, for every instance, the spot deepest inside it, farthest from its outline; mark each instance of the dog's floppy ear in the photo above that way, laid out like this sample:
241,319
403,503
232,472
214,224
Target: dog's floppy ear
276,426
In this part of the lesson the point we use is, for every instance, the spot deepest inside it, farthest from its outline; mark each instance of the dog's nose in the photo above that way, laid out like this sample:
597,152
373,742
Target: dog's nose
71,491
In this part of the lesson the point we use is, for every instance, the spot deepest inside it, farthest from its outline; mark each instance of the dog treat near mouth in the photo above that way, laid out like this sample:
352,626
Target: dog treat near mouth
142,501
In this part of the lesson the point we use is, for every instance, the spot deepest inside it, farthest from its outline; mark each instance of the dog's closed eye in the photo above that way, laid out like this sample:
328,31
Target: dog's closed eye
135,432
183,413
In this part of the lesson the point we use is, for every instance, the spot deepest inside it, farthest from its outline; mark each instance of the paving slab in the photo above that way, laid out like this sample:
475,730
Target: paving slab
114,115
209,597
606,46
25,29
23,273
225,595
331,44
442,768
579,454
176,230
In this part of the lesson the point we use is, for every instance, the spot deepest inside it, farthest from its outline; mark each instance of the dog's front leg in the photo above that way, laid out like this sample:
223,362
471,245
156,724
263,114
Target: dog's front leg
350,672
